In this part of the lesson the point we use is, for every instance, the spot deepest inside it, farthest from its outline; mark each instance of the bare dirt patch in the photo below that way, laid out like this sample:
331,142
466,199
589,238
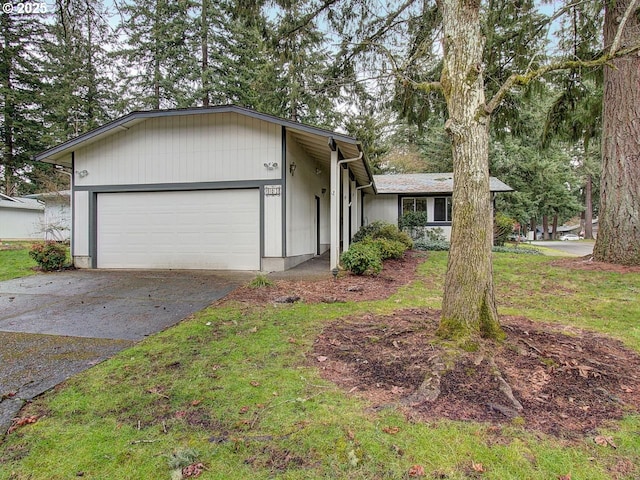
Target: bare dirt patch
347,287
568,381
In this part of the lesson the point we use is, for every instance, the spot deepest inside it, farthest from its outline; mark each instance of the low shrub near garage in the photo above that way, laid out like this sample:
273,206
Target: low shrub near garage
362,258
387,248
376,230
49,255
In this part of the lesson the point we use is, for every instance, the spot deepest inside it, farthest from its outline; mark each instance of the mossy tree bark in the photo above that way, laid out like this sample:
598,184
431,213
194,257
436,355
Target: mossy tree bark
469,308
619,218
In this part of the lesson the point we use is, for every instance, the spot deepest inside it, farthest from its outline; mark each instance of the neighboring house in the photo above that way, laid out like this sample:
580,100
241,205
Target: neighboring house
424,192
57,214
215,188
21,218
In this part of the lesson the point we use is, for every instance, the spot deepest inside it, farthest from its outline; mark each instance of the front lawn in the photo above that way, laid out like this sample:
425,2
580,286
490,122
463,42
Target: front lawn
236,392
15,261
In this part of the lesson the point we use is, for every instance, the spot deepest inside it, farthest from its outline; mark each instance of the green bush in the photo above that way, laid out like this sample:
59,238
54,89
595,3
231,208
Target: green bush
502,228
362,258
376,230
387,248
368,231
49,255
432,245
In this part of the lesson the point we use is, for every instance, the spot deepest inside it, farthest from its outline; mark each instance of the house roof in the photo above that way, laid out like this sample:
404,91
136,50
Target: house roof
20,203
426,183
59,195
316,141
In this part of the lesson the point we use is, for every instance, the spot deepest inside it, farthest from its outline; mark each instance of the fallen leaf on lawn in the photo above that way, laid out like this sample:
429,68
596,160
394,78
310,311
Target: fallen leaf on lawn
253,330
416,471
397,390
605,441
292,340
180,414
350,435
193,470
477,467
195,403
244,409
255,384
20,422
391,430
565,477
322,358
626,389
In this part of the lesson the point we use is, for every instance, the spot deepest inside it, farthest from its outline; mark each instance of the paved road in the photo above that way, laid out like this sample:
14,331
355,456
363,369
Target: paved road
55,325
578,248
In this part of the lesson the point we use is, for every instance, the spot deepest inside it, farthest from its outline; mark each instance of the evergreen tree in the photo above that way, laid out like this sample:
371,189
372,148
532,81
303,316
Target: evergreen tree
77,74
158,65
21,99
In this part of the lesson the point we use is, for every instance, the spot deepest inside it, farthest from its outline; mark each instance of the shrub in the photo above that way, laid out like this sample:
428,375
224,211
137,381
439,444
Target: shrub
49,255
432,245
436,235
369,231
502,228
386,230
413,223
387,248
362,258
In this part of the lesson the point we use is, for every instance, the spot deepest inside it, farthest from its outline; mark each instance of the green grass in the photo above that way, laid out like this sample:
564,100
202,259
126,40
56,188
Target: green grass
237,388
15,261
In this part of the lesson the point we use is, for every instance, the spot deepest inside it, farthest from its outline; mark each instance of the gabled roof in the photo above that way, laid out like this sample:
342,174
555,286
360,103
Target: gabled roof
314,140
425,183
20,203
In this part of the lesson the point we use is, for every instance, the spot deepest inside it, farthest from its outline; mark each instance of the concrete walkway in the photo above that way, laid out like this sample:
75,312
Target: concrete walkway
55,325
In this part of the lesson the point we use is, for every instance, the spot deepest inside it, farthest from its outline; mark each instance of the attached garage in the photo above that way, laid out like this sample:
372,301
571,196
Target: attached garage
202,229
220,187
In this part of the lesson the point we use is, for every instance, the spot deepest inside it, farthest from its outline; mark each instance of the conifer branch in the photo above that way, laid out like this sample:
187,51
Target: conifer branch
523,79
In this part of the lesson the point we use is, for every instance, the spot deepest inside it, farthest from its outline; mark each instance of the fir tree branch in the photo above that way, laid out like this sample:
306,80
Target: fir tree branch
308,18
524,79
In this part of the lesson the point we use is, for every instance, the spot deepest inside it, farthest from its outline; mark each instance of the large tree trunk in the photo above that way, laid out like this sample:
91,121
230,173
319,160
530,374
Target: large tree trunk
619,219
469,308
545,227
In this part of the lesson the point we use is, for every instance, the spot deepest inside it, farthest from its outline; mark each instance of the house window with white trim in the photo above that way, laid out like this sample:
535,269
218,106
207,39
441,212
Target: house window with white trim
414,204
442,209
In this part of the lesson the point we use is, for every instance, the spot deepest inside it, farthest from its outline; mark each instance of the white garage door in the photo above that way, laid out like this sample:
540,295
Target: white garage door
208,229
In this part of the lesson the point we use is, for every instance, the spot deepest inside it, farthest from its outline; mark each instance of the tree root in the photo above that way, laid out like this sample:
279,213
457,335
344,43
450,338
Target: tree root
429,390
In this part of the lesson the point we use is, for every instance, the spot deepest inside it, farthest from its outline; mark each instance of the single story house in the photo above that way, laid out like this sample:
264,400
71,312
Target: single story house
21,218
220,187
57,214
417,192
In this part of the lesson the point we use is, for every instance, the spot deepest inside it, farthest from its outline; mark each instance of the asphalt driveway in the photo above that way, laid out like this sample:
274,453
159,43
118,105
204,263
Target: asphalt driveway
55,325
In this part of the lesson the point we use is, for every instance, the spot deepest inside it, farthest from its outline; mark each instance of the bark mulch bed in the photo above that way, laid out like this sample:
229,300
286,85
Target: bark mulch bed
588,263
568,381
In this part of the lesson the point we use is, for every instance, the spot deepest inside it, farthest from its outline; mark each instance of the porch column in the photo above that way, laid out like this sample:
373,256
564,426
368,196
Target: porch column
345,208
334,208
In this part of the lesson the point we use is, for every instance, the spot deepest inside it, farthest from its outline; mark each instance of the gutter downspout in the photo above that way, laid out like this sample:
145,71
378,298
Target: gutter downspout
335,204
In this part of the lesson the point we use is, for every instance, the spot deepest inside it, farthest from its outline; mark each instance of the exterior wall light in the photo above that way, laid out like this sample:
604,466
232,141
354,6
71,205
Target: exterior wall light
82,173
271,165
292,168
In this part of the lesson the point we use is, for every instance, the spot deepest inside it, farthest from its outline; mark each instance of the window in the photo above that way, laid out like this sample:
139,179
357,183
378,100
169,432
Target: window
414,204
442,209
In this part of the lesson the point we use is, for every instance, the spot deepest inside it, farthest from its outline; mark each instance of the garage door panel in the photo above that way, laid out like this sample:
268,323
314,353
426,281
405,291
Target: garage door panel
197,229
